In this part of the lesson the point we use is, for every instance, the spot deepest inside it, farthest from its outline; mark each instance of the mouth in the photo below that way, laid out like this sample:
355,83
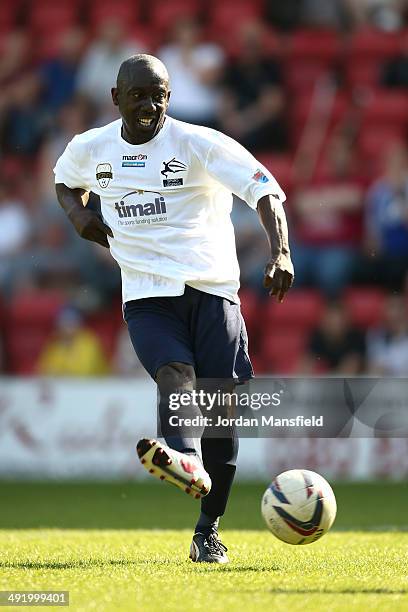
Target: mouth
146,122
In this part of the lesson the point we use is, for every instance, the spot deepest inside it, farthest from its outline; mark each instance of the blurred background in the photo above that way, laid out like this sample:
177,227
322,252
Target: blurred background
318,92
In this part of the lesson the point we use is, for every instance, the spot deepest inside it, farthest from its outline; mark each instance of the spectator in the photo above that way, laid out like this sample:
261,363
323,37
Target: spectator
195,69
15,229
71,119
335,346
58,75
388,15
337,14
395,73
125,360
253,101
327,215
100,64
252,246
387,346
55,259
386,239
24,123
14,58
74,350
283,15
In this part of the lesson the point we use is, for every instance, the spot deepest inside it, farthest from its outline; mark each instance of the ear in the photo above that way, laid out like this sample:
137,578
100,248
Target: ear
115,93
168,98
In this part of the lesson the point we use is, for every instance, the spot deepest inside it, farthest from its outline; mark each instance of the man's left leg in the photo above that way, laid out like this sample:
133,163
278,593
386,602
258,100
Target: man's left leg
222,355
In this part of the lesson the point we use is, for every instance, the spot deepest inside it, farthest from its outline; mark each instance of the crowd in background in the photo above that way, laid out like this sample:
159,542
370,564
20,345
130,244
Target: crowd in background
348,211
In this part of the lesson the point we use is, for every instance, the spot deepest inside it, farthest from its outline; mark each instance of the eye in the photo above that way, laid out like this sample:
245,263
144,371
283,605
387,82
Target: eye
159,97
135,94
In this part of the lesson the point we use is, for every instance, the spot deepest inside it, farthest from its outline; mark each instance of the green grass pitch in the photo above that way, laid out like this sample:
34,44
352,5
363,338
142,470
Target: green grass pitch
124,547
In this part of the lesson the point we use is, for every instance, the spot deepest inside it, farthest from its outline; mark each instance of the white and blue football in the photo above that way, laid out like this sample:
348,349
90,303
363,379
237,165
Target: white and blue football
299,506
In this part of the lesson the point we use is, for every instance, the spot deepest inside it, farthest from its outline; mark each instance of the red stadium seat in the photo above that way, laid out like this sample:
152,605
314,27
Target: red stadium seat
301,112
301,309
282,349
321,45
31,318
164,15
106,325
373,143
310,55
386,108
53,16
9,12
250,308
281,167
125,11
229,15
362,74
373,44
365,306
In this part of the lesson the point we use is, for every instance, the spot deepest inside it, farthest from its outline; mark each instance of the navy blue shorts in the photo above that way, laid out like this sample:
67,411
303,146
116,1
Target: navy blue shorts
197,328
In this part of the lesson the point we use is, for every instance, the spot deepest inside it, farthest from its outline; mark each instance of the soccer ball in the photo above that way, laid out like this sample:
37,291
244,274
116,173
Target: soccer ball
299,506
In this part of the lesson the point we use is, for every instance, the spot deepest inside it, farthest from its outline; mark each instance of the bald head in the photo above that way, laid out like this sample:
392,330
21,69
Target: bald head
142,95
136,64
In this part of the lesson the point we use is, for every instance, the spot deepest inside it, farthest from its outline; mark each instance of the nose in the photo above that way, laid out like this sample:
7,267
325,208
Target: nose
148,104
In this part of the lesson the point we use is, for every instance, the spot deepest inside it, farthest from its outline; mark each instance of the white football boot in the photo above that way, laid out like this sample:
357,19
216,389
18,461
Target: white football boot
184,471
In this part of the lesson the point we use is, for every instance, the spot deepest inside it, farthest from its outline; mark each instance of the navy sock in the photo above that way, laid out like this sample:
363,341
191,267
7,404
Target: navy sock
207,524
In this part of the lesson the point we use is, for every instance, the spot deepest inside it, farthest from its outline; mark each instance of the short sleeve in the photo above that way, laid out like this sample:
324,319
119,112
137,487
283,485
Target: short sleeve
235,168
69,168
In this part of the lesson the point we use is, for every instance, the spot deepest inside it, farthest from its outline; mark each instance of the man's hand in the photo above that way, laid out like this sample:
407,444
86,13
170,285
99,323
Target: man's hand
279,276
87,223
90,226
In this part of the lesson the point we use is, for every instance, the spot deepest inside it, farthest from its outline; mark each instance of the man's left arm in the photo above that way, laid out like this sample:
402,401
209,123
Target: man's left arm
279,274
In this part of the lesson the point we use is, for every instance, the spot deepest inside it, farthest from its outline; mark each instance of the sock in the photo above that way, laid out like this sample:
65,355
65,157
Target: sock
182,438
206,524
179,444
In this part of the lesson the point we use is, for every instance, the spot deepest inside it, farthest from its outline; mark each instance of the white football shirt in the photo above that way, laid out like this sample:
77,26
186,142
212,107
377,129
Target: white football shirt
168,202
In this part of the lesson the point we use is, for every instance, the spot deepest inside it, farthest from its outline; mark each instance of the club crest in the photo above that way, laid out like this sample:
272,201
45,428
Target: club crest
104,174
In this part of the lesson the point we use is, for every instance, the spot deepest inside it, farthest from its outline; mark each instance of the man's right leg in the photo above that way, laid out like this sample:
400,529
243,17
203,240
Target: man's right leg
162,343
179,462
177,380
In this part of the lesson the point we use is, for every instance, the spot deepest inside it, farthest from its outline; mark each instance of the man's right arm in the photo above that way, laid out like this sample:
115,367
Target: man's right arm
87,223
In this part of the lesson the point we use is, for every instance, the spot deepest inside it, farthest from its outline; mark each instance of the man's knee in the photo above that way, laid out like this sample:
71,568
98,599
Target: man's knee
176,375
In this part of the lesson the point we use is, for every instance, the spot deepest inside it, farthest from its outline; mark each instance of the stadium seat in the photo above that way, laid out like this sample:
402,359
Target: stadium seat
321,45
282,349
125,11
373,44
301,309
310,54
148,37
386,108
365,306
373,143
301,112
228,16
53,16
164,15
106,325
8,15
250,308
362,74
281,167
30,318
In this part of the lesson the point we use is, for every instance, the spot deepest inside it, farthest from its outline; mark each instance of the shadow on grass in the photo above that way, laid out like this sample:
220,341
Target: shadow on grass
62,565
92,563
355,591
